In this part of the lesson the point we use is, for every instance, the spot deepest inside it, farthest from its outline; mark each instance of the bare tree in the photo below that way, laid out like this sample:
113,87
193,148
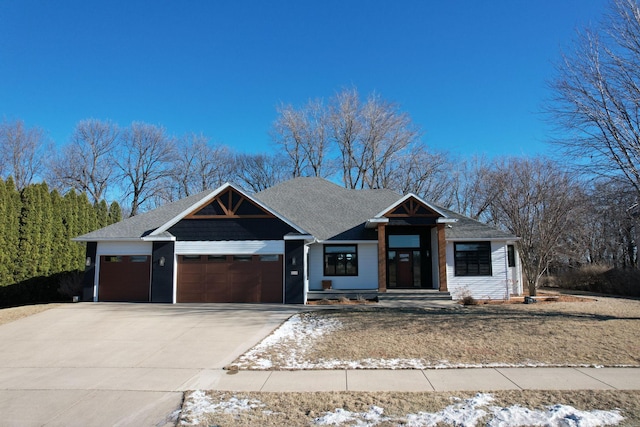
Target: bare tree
86,164
346,128
257,172
303,135
372,138
144,163
608,236
198,165
468,192
537,201
424,173
597,96
21,152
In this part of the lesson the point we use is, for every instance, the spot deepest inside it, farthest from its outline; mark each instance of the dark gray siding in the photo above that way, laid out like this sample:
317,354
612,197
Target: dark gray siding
88,280
231,229
294,273
162,276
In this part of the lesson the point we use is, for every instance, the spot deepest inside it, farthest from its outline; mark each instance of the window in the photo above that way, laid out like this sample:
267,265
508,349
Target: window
404,241
111,258
242,258
340,260
473,259
511,255
138,258
191,258
269,258
217,258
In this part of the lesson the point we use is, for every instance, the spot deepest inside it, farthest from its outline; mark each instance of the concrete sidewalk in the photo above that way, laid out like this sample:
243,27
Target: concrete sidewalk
475,379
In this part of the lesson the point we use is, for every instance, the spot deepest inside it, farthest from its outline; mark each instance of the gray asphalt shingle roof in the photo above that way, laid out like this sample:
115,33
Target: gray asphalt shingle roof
321,208
467,228
143,224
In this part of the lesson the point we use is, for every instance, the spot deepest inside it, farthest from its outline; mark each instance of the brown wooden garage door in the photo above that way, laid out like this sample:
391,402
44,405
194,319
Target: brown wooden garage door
124,278
230,278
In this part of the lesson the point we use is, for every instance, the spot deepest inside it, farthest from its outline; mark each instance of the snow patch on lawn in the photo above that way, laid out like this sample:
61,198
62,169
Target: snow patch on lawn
471,412
198,404
463,412
291,340
294,337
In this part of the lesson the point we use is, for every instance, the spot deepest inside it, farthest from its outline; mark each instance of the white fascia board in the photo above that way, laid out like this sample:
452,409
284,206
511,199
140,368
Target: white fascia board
347,242
405,198
446,220
299,237
373,222
108,239
210,197
481,239
151,238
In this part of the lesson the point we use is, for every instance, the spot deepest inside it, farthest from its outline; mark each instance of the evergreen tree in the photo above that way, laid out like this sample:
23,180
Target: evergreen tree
9,230
102,214
46,231
26,263
115,213
71,220
37,226
59,241
13,236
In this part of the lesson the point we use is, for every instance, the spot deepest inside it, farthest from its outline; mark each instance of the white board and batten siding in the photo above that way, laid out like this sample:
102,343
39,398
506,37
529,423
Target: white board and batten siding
367,278
498,286
246,247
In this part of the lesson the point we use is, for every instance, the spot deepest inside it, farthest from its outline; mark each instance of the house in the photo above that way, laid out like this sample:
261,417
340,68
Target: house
280,245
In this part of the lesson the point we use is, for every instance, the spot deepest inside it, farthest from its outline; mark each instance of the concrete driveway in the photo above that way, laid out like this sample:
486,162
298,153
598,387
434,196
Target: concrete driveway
98,364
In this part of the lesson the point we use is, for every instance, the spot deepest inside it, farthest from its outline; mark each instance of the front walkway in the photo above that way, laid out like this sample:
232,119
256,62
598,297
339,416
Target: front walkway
471,379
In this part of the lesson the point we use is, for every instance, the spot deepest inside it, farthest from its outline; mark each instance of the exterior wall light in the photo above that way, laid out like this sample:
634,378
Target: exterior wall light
88,261
161,261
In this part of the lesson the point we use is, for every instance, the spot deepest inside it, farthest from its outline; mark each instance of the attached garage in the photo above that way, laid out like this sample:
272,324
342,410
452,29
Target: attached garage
124,278
230,278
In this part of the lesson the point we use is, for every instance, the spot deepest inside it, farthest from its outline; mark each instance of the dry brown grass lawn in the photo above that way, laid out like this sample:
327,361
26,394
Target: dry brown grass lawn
598,332
300,409
14,313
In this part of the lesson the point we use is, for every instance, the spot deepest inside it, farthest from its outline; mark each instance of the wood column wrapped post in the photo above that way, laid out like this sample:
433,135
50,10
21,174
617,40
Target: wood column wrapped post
442,259
382,257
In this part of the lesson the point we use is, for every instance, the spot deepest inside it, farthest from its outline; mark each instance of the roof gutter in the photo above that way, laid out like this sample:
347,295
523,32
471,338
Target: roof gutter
108,239
374,222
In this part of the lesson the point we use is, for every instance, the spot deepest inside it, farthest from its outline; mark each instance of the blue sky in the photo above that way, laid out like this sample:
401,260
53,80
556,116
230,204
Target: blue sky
472,74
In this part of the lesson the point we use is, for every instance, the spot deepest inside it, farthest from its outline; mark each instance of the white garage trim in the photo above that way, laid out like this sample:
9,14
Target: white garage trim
245,247
124,248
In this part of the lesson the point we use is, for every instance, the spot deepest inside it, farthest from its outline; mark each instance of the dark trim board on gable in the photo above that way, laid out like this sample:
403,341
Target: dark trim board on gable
236,236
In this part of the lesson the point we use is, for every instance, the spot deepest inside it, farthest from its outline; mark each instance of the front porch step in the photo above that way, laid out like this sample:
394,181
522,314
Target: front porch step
334,294
422,295
394,296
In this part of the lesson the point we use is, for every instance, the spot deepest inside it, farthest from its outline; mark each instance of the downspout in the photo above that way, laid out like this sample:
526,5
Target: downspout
506,270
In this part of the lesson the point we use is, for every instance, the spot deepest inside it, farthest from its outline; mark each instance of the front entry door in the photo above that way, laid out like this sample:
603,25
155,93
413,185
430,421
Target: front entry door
409,258
405,269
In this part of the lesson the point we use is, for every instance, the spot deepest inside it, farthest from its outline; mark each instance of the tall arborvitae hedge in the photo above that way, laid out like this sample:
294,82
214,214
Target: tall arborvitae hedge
36,228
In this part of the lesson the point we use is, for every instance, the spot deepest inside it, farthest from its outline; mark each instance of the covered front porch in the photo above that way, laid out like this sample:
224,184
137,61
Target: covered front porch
411,247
